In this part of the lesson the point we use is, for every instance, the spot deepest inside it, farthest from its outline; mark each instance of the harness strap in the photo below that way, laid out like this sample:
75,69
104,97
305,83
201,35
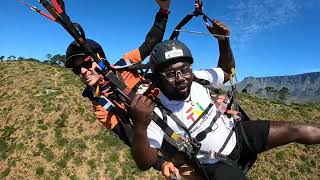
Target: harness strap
220,157
122,88
221,109
106,103
176,119
165,127
245,167
246,139
184,21
203,134
198,119
182,143
197,12
227,140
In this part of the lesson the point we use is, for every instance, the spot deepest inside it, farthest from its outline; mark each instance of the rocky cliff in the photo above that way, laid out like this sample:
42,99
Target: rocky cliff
302,87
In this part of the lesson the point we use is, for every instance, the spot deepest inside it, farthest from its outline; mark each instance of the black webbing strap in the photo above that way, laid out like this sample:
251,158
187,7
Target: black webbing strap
200,117
246,139
245,117
164,126
184,21
220,157
191,156
179,123
228,138
203,134
139,66
127,92
168,112
57,10
199,168
62,18
225,159
245,167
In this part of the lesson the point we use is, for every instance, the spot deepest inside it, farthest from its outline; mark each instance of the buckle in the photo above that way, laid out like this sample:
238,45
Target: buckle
212,154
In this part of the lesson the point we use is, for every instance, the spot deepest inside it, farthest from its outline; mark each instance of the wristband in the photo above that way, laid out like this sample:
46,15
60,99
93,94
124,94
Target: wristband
164,11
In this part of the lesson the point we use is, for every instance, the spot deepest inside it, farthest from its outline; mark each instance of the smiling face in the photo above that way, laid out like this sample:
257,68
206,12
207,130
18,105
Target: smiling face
175,80
86,71
89,76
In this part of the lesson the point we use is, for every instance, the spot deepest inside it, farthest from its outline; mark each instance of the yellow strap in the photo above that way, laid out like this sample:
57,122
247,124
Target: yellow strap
233,72
96,93
175,136
99,57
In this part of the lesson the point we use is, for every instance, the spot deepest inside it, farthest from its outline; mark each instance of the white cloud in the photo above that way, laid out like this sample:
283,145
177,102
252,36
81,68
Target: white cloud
249,17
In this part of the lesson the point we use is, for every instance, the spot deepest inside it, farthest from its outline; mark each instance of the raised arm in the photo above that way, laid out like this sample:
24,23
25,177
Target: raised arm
141,107
226,59
154,36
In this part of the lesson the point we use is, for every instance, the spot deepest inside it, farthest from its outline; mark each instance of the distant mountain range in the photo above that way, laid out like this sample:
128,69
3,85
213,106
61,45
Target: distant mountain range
302,87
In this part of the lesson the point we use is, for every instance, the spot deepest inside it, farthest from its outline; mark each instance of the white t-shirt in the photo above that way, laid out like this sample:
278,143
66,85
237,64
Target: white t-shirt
189,110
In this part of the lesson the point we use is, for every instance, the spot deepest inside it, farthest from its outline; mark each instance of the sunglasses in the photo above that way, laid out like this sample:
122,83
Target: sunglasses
85,64
171,75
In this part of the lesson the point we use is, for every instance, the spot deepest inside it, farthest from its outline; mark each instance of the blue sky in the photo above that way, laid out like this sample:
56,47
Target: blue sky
268,37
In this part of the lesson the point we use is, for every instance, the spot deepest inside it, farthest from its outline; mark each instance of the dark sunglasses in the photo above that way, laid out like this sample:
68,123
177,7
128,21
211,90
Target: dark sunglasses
85,64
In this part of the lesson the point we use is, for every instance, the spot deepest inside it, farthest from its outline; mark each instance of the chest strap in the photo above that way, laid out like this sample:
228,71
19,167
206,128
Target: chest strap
203,134
222,108
183,144
220,157
200,117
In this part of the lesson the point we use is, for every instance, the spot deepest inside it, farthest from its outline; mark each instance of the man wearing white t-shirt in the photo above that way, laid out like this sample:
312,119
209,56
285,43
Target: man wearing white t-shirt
195,115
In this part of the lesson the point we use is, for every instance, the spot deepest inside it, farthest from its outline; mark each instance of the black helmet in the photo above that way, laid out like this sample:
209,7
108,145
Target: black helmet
75,50
169,52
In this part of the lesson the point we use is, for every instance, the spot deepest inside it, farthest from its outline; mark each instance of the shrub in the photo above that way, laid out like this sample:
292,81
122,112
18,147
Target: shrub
40,171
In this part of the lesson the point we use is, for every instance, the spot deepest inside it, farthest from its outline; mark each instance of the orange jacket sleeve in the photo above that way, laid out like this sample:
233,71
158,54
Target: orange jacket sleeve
134,56
107,118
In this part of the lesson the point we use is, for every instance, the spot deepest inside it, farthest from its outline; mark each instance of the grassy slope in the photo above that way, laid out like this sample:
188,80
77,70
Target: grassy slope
291,161
47,131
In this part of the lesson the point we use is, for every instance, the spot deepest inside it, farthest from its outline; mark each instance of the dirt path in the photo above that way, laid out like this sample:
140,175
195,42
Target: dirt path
55,77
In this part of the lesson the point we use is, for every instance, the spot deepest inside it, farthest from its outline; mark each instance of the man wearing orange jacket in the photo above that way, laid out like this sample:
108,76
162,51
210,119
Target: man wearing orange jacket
113,115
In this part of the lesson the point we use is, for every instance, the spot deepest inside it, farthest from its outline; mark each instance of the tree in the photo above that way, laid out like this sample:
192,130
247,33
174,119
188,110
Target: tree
33,60
1,58
259,92
249,87
46,62
48,56
274,93
58,59
269,90
21,58
12,57
244,90
283,93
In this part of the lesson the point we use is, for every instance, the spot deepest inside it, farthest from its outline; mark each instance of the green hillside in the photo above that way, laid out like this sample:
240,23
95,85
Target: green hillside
48,131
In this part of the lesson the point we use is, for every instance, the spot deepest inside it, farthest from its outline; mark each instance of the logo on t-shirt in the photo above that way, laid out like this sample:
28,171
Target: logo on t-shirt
194,112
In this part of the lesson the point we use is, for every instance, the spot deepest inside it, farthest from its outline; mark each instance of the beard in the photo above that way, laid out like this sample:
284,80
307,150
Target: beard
179,94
